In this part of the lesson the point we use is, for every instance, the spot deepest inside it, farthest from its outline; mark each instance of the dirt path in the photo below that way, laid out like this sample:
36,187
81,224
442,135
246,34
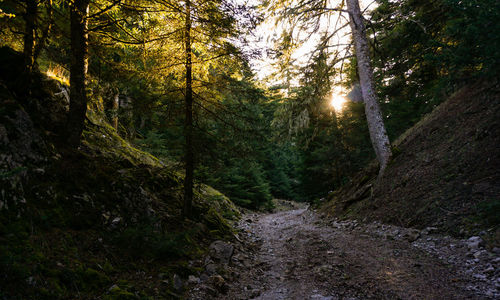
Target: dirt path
296,255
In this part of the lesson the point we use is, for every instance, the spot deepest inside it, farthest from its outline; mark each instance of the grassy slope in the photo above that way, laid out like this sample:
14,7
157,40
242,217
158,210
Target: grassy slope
446,171
100,222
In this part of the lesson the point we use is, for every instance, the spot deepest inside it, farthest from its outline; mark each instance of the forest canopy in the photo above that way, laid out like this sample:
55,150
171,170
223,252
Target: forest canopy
179,79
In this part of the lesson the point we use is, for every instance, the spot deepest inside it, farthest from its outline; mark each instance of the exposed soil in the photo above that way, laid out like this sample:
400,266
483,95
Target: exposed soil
445,171
298,254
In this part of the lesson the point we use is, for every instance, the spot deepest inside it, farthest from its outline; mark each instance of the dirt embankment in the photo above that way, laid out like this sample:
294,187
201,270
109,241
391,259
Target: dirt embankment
445,173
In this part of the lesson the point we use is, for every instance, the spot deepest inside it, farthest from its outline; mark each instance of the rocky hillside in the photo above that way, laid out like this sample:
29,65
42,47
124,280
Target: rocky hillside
445,172
100,222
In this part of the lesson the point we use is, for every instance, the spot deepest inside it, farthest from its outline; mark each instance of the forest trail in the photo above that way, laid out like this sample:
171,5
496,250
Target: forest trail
296,254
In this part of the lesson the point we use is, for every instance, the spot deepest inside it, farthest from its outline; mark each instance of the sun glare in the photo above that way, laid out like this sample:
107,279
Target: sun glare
337,102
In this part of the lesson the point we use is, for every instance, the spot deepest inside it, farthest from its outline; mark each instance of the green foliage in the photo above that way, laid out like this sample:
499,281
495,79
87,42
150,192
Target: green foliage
216,223
472,38
333,154
422,52
427,50
251,143
488,212
235,147
329,146
59,242
93,279
245,184
280,169
116,293
155,143
243,160
146,241
10,173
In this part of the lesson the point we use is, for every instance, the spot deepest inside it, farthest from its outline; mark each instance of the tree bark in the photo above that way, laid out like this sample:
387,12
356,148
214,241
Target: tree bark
46,31
78,72
114,111
378,134
188,123
29,35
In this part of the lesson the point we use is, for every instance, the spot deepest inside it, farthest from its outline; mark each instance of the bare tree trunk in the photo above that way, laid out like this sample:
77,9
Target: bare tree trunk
78,71
29,35
114,111
188,125
143,123
378,134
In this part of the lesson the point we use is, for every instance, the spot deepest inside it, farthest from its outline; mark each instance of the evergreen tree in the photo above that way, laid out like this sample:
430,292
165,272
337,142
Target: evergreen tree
78,71
304,15
29,35
188,122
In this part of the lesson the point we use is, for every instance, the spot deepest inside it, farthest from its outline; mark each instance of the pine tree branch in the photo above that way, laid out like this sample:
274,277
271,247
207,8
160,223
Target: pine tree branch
105,9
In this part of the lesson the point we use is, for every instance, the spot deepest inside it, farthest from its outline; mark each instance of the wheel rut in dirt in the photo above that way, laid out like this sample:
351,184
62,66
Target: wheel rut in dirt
296,256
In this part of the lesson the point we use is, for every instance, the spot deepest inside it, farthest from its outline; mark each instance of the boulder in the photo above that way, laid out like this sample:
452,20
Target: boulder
221,251
412,235
193,280
474,243
211,269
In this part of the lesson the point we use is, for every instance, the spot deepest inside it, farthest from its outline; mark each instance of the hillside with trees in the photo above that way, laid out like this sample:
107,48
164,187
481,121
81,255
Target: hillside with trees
232,149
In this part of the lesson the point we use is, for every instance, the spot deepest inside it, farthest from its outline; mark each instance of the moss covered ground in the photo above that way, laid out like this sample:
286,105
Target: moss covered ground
100,222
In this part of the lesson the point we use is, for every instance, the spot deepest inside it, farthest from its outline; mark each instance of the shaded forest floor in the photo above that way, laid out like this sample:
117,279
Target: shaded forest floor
299,254
99,222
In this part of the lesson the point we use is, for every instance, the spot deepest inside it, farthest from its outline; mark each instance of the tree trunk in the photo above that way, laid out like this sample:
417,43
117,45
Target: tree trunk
78,72
378,134
188,125
46,31
29,35
114,111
